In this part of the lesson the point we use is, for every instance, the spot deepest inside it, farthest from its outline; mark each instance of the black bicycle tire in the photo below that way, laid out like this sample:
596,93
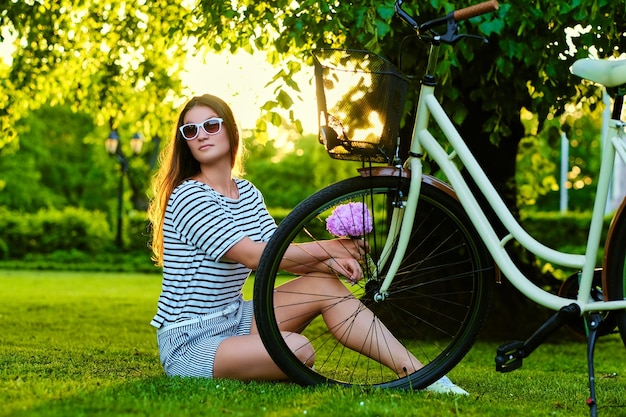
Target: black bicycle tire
615,269
482,280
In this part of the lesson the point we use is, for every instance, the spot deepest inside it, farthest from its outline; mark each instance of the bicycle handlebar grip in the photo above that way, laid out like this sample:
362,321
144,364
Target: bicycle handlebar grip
476,10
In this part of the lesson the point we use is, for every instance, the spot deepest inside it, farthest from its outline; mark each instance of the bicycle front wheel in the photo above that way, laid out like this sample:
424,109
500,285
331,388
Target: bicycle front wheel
434,307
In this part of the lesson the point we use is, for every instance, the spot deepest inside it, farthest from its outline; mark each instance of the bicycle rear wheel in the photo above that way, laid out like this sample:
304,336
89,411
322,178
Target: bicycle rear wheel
435,305
614,271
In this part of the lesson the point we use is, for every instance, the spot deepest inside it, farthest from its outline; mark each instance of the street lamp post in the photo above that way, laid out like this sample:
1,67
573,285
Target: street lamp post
112,145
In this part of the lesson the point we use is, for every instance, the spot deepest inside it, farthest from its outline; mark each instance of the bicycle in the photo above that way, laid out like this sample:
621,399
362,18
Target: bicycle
434,257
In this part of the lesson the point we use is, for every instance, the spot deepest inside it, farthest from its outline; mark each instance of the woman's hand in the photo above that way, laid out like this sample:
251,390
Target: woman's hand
302,258
347,267
346,248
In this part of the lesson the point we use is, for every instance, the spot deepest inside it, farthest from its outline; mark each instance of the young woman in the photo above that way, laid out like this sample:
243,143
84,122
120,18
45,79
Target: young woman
209,230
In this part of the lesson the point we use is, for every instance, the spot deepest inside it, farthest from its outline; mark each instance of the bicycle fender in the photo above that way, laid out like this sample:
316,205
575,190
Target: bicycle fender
390,171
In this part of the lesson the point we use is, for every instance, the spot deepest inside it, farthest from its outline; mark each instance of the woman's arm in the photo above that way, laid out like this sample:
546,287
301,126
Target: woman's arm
347,267
299,257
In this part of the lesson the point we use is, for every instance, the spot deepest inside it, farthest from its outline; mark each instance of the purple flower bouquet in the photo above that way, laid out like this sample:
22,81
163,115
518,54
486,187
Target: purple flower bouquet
353,220
350,220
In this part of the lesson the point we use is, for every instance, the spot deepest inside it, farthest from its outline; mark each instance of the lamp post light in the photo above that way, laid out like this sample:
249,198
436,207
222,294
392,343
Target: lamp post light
112,145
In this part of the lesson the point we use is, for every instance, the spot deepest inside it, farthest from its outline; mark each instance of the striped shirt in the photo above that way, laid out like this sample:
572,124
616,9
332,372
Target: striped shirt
200,226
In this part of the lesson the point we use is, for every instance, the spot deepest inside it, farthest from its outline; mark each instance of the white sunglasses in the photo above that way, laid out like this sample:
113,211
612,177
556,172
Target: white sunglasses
211,126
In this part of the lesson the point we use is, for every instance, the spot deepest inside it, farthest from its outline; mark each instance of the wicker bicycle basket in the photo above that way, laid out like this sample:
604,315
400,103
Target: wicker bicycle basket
360,100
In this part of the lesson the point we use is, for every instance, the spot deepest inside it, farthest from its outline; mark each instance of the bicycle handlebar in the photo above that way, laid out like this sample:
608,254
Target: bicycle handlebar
476,10
452,17
404,15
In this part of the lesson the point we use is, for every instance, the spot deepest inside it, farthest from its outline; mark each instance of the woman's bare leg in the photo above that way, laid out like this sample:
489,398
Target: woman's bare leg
298,302
245,357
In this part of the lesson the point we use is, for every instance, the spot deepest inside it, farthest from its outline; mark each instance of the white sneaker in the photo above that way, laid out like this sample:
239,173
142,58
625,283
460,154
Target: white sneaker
445,386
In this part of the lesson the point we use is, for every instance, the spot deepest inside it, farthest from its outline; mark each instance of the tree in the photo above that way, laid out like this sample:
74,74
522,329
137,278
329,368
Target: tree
114,60
54,167
119,61
113,65
524,66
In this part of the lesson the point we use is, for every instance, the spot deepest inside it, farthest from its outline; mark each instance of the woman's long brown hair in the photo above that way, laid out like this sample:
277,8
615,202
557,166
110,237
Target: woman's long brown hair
178,164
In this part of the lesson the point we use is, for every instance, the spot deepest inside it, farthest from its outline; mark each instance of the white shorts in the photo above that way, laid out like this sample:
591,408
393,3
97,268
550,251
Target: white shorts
188,348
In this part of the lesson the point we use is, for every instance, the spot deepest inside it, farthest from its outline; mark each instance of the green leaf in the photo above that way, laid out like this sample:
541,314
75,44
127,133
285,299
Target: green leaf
291,83
284,99
490,27
298,126
269,105
276,119
294,66
385,11
382,27
459,114
360,13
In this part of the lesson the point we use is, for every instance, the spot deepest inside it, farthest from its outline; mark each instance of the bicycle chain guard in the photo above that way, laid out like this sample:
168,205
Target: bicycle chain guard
569,289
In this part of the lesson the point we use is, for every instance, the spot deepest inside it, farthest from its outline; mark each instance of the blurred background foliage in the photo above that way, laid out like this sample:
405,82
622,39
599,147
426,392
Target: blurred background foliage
81,69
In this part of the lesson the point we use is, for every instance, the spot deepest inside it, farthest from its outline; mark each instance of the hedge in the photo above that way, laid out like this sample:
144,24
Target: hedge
75,238
52,230
562,231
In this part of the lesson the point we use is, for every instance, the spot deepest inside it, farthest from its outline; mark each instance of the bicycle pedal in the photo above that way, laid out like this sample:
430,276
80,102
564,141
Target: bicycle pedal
509,356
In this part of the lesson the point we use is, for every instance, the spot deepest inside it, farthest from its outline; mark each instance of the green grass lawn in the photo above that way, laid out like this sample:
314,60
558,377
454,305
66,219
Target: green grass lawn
79,344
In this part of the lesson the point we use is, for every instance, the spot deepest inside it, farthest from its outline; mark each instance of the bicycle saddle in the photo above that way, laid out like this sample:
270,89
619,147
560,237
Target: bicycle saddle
609,73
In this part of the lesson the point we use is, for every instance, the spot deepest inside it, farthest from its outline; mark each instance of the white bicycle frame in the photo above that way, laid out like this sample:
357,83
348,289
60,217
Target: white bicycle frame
423,142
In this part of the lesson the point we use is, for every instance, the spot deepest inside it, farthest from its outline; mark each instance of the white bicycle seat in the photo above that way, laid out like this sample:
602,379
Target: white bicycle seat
609,73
